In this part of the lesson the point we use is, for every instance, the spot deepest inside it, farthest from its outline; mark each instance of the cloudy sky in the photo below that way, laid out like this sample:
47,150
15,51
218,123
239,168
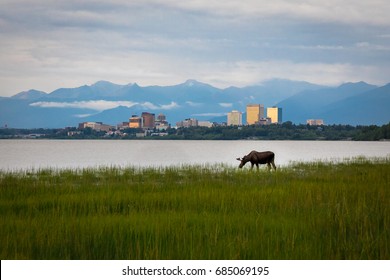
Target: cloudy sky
47,44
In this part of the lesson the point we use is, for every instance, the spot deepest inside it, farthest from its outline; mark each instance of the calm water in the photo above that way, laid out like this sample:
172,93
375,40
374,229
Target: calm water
27,154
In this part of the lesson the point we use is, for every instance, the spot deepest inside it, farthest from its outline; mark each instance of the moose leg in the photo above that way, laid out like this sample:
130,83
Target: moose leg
257,165
273,164
269,166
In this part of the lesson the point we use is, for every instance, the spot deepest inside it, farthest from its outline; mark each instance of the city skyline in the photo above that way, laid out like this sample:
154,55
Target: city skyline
149,121
112,103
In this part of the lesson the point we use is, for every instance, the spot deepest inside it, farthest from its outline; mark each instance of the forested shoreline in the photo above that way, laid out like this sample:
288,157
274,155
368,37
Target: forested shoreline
285,131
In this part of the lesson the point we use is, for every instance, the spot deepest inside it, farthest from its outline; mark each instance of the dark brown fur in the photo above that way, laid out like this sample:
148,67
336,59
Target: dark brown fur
257,158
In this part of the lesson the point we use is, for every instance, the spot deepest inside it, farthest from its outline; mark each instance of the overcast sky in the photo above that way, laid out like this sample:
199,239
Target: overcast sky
48,44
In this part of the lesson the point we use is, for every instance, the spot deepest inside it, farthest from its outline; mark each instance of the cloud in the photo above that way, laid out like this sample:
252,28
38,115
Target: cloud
151,106
53,44
101,105
374,12
372,47
209,115
83,115
320,47
194,104
226,105
242,73
97,105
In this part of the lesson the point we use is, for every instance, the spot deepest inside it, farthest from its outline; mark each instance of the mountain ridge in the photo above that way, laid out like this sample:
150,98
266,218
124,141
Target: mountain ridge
300,100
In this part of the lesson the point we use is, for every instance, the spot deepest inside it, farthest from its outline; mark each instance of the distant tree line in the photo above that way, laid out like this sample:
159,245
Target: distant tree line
285,131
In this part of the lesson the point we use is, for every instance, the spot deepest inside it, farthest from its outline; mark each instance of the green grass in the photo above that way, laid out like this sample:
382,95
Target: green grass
303,211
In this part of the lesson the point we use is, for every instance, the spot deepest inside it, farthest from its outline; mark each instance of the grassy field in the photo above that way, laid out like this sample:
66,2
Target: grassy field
303,211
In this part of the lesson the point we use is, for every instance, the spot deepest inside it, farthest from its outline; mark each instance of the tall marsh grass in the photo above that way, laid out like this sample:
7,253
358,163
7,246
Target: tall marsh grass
304,211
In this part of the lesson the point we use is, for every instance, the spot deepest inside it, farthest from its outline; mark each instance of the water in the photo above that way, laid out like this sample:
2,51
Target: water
27,154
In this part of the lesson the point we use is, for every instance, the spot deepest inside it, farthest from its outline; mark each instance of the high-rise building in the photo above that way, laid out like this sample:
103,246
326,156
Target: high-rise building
148,120
135,122
275,114
161,118
234,118
254,112
161,122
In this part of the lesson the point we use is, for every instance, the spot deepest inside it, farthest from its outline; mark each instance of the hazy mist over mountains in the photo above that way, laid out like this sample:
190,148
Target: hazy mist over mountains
350,103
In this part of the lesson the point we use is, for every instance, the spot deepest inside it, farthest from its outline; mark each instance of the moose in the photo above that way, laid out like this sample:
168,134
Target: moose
258,158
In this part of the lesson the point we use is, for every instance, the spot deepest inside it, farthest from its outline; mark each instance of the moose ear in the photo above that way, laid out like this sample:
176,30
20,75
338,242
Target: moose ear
238,159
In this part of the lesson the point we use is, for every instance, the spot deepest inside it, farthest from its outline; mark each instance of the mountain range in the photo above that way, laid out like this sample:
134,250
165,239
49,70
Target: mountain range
351,103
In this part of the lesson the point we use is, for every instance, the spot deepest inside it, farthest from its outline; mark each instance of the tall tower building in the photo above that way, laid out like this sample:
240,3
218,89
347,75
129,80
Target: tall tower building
254,112
275,114
234,118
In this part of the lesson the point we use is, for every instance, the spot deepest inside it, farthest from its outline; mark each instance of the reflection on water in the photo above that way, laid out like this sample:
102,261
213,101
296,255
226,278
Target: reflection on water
26,154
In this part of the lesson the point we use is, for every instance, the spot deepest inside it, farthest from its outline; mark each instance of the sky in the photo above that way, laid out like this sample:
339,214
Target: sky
48,44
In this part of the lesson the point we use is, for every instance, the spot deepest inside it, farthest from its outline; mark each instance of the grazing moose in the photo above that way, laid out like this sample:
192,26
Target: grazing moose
258,158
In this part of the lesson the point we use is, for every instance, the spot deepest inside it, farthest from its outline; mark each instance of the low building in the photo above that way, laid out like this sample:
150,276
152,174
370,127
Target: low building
160,134
187,123
205,124
98,126
122,125
74,133
315,122
264,121
162,126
